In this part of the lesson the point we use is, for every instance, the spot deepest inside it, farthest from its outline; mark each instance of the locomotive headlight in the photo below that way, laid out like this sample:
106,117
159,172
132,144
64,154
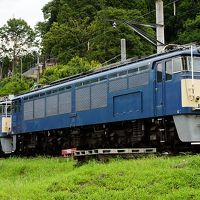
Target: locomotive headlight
197,98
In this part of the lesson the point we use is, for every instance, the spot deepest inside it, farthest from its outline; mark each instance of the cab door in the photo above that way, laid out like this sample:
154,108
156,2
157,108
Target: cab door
159,89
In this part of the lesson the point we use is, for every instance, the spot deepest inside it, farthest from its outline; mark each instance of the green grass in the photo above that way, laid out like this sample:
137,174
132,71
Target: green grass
59,179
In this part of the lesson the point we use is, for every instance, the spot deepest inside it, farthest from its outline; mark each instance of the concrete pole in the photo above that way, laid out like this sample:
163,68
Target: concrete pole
160,34
123,50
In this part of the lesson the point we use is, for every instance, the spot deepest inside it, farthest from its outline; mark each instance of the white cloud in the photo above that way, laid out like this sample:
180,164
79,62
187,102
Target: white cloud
29,10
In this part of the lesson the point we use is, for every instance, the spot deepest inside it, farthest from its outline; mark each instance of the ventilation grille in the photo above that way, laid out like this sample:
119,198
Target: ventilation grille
83,99
39,108
52,105
138,80
99,96
65,103
119,84
28,110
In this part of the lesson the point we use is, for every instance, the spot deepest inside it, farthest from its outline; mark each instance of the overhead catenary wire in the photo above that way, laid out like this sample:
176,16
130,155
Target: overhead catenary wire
110,59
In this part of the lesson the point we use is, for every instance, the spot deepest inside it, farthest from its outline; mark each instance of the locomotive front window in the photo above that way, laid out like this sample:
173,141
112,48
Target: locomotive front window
184,64
196,63
177,64
6,109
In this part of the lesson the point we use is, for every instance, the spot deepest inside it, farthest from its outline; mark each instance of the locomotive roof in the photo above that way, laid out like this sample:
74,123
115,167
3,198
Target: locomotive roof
116,67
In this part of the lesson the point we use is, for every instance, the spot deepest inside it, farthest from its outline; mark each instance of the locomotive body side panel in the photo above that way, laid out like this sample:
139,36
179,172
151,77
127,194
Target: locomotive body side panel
92,102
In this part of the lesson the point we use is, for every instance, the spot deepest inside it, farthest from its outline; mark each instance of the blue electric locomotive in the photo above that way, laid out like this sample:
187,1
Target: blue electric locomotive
151,102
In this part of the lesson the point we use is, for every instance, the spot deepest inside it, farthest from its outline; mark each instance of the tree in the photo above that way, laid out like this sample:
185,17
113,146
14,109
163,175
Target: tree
72,26
177,24
76,65
64,41
82,28
16,39
106,43
15,85
191,32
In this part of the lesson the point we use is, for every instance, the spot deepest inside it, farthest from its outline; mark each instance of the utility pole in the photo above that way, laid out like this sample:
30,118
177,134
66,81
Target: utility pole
160,34
159,42
123,50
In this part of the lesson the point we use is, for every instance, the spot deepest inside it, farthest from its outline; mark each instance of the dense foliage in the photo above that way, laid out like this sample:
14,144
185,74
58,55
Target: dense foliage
75,66
15,85
86,29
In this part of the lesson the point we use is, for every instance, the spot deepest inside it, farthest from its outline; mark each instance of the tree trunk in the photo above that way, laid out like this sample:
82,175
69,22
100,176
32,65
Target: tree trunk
13,63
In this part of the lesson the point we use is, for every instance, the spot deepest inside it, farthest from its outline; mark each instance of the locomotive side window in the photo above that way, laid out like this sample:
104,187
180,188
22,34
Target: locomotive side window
159,72
68,87
132,71
124,73
144,68
42,94
102,78
86,82
49,92
168,70
111,76
95,80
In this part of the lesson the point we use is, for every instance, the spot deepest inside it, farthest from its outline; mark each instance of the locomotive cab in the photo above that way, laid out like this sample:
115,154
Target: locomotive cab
186,70
5,108
188,122
6,138
177,93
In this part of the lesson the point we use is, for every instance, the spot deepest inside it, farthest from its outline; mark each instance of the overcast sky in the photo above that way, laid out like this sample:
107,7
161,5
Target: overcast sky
29,10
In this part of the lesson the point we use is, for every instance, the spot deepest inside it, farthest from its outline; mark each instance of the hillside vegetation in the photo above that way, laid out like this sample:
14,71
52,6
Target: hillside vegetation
60,179
15,85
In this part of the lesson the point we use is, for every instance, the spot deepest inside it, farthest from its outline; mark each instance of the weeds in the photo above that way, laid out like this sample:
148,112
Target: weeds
59,179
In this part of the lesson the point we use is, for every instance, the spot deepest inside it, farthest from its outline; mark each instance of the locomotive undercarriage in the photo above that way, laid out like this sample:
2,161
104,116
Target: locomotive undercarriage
157,133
